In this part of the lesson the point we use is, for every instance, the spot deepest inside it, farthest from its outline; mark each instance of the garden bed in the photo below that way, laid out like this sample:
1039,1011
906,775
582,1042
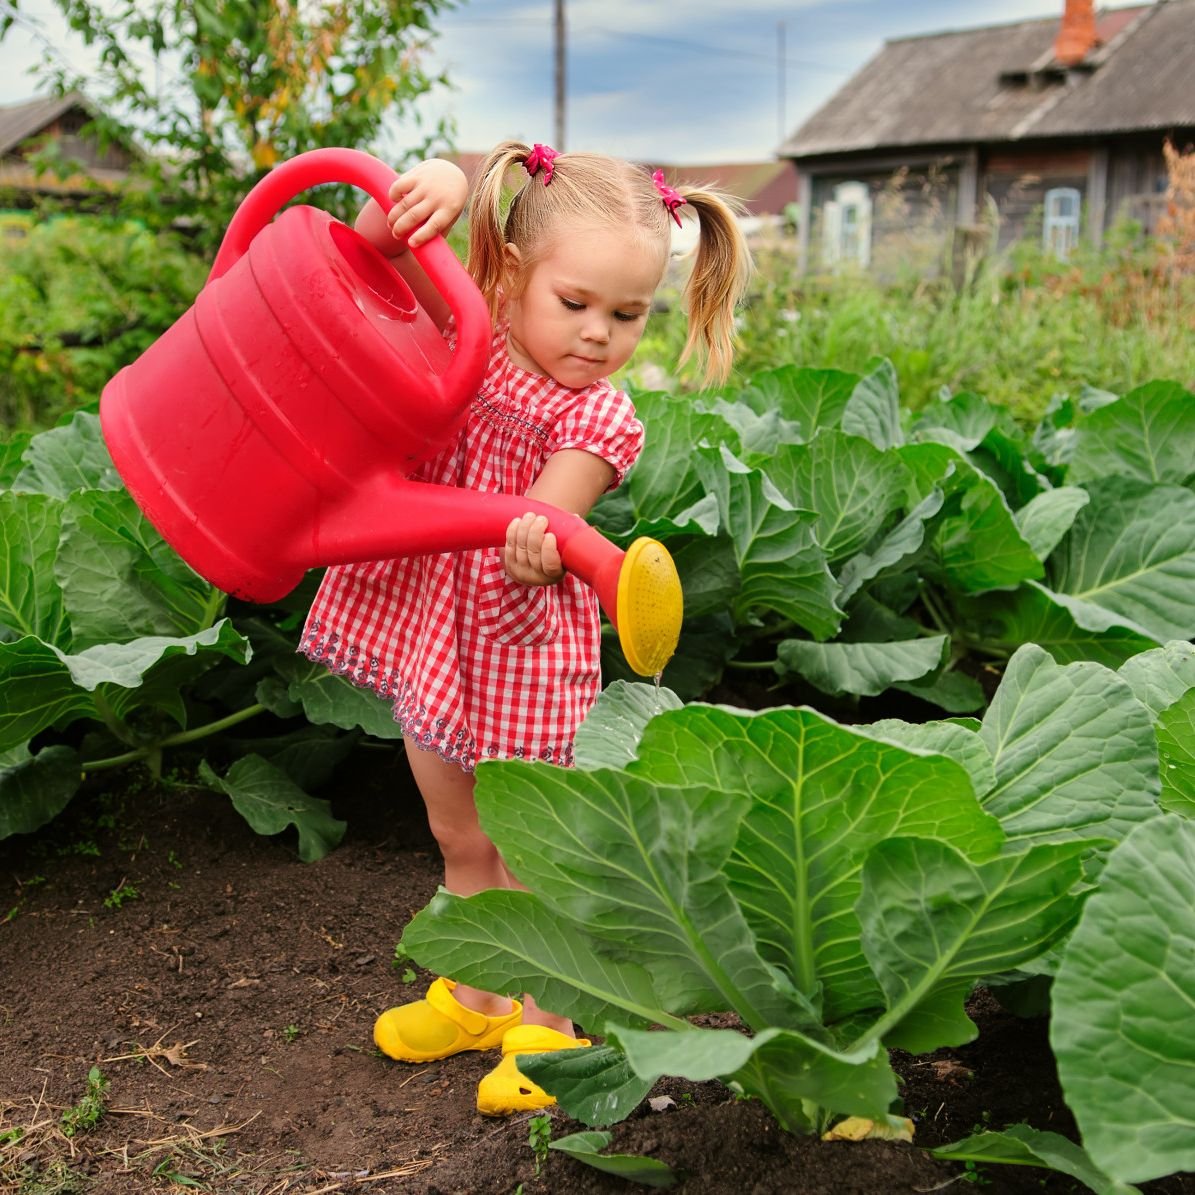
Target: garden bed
225,992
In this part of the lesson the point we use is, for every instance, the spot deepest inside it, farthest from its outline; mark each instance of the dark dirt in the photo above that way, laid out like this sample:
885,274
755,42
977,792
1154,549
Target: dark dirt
228,1003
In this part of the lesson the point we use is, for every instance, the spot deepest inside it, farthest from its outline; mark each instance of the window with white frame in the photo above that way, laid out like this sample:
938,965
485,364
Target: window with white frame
1060,225
846,226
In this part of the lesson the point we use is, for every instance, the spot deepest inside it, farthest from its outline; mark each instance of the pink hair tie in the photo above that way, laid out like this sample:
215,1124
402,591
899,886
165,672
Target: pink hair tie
672,198
541,155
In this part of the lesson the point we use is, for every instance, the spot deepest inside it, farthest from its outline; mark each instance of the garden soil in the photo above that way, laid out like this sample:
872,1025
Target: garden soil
225,991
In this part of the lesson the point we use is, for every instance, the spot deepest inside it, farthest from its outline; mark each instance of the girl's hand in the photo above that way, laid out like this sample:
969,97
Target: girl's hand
427,199
531,556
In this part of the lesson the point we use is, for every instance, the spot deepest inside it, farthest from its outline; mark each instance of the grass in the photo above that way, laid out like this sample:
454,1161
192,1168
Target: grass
1018,329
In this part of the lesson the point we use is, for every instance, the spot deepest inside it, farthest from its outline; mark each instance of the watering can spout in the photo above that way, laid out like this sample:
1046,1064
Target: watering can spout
638,590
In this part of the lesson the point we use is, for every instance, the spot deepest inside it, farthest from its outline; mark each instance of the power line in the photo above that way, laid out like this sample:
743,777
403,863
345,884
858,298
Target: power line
721,51
677,43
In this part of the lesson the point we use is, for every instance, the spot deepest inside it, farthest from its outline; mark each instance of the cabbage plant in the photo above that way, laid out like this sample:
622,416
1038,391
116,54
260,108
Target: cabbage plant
115,654
832,542
834,890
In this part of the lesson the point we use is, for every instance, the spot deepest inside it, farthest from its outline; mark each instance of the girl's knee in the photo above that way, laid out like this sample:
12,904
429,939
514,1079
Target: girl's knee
463,844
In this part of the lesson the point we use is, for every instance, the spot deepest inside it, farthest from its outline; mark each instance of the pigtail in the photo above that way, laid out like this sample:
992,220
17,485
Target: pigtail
717,282
487,238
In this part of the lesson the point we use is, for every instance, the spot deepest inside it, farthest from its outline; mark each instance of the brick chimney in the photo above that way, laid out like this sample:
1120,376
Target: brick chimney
1076,36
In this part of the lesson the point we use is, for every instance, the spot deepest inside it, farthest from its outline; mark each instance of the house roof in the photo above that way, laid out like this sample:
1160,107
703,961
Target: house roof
764,188
18,122
1002,83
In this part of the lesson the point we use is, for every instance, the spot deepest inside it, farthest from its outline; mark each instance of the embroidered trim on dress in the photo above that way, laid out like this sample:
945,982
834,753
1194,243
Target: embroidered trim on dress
417,726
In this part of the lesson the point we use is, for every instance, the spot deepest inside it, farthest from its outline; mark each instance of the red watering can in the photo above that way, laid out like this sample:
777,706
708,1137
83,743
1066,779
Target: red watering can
273,428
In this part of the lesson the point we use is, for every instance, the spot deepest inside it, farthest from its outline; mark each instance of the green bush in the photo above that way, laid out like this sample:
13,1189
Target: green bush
81,297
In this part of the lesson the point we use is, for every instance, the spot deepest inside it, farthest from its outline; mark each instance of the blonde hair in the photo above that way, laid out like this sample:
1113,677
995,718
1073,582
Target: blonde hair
589,187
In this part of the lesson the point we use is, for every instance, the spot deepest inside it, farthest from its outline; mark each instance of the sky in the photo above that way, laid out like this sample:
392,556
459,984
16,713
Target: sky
694,82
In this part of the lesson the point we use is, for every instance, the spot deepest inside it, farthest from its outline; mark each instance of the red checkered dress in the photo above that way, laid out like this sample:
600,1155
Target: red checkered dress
476,665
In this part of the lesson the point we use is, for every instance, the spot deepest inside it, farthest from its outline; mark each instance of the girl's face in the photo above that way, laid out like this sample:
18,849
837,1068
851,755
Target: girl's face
583,306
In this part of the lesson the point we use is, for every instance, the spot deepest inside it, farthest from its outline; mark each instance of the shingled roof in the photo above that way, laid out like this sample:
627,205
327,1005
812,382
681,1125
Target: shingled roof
21,121
1002,83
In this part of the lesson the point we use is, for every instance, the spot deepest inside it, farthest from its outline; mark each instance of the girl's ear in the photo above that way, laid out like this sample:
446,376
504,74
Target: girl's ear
512,268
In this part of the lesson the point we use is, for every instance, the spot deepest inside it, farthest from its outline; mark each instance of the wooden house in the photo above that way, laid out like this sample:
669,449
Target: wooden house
87,167
1050,128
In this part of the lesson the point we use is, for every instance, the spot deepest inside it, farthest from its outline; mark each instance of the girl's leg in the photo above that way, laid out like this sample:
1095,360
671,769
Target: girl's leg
471,864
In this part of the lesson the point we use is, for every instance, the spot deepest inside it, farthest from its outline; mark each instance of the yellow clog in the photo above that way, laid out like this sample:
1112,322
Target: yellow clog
438,1026
506,1089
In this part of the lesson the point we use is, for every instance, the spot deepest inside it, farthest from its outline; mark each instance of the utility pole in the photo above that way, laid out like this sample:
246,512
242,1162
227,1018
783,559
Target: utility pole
561,88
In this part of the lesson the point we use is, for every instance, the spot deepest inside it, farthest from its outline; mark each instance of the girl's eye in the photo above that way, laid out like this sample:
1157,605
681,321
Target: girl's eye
627,317
572,304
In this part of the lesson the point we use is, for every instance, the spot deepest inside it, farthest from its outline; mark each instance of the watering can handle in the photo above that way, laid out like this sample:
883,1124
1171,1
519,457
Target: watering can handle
373,176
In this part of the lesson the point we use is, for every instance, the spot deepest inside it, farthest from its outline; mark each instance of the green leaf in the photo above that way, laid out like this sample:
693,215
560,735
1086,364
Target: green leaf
270,802
595,1086
954,692
42,686
791,1071
34,789
782,567
981,547
759,434
1123,999
941,738
873,410
811,398
510,941
861,668
120,580
1032,614
1019,1145
12,451
818,797
638,864
896,547
978,544
935,922
960,421
1149,434
851,485
584,1147
1046,518
68,459
663,480
609,736
1160,677
1073,750
334,700
1131,554
30,599
1176,755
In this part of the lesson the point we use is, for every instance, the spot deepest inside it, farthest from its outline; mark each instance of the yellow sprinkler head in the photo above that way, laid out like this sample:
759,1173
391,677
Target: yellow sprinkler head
650,606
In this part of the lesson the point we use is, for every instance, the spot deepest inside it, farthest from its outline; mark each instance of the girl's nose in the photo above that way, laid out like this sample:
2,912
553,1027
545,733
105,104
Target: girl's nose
597,330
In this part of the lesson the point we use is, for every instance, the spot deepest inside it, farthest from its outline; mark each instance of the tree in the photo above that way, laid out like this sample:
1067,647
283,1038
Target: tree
217,91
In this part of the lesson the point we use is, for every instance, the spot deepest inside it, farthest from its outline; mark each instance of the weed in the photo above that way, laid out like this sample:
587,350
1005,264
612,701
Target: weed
84,846
122,892
89,1111
165,1169
539,1137
291,1032
972,1173
174,860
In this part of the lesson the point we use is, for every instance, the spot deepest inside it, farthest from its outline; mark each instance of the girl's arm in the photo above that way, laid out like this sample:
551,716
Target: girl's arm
573,480
428,199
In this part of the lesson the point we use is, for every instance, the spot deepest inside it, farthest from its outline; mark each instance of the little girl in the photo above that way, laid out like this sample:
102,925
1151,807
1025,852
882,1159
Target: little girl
494,654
